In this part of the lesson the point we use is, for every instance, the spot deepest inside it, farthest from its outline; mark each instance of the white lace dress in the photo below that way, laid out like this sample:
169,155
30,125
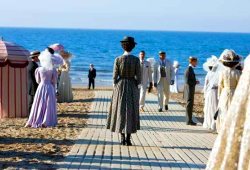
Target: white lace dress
232,146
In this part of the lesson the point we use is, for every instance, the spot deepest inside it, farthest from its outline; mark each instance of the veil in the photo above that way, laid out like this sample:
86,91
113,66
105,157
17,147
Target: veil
46,60
216,70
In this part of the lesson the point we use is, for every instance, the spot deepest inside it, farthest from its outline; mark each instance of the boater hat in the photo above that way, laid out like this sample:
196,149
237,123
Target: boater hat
128,39
162,52
34,54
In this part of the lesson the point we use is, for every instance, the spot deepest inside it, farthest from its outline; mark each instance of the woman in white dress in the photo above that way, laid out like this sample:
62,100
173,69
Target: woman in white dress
211,92
65,87
228,81
232,146
175,87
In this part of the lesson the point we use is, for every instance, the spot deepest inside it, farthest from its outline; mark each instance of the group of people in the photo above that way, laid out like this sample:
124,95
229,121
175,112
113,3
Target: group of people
132,77
48,83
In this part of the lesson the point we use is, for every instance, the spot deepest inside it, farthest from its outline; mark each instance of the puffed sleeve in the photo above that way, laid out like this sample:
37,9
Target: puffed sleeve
205,84
54,77
220,84
115,71
37,75
138,71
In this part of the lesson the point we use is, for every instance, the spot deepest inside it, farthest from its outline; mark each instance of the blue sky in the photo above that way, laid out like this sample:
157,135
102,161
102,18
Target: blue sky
180,15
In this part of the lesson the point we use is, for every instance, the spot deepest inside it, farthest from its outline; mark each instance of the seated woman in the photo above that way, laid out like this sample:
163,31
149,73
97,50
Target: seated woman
43,111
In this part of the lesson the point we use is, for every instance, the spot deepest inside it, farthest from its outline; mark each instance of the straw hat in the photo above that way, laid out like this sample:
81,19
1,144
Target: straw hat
229,56
65,54
35,54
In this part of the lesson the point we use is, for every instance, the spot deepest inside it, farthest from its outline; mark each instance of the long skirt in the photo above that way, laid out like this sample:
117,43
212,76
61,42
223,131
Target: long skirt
43,111
224,104
124,109
65,88
210,108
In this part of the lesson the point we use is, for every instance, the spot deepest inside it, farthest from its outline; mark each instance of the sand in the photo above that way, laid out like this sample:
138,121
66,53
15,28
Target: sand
28,148
198,103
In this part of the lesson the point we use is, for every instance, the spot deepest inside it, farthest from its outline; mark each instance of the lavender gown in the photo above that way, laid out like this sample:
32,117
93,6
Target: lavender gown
43,111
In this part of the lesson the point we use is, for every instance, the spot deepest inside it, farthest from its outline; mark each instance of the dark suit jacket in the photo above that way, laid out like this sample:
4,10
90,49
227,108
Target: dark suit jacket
190,82
32,84
92,73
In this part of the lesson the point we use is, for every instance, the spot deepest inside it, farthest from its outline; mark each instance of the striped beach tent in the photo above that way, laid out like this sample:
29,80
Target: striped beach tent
13,80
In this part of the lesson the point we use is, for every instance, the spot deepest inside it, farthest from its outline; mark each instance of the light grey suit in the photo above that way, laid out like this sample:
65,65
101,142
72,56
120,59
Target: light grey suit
163,83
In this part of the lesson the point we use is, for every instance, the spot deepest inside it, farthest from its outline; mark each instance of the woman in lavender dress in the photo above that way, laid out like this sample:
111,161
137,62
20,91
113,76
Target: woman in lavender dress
43,111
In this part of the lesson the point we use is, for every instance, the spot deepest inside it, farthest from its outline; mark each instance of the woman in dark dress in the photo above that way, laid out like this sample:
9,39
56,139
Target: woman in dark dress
124,110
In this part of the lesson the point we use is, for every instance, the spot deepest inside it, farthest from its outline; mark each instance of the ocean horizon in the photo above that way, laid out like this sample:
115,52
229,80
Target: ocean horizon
101,47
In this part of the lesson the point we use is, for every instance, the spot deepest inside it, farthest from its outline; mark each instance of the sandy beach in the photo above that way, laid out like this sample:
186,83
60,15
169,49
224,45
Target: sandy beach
40,148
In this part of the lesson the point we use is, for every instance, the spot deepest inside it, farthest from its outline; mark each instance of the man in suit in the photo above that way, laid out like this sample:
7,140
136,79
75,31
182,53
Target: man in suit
92,76
146,74
32,84
189,89
163,78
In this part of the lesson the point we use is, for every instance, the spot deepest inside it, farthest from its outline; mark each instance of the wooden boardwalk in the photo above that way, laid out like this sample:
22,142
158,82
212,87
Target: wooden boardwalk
164,141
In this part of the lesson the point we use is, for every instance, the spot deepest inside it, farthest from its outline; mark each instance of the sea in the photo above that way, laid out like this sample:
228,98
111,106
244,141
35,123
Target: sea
101,47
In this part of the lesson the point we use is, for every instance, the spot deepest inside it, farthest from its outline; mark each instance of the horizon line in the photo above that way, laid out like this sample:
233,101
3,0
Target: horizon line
117,29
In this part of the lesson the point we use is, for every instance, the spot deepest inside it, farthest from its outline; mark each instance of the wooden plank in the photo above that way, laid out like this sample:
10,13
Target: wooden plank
164,141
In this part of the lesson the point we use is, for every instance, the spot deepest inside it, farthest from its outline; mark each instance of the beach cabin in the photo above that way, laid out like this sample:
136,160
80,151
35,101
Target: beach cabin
13,80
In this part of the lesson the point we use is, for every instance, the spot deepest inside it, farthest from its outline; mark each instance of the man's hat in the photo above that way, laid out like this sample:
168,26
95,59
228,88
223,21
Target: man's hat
162,52
35,54
128,39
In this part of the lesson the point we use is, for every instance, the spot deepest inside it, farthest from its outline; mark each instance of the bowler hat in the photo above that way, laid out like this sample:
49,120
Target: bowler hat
128,39
34,54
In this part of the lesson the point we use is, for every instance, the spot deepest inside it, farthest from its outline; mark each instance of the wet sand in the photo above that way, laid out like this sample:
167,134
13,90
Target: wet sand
28,148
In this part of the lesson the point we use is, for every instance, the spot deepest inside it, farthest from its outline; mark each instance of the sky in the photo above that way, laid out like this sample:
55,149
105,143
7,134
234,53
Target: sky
167,15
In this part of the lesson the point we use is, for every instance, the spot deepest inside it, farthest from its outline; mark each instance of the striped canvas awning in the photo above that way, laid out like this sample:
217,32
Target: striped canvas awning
13,52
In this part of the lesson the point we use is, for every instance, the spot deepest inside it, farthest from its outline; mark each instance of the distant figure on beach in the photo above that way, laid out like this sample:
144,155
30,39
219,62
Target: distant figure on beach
146,74
231,148
175,87
65,87
32,84
123,115
92,76
211,92
163,78
189,89
228,82
43,111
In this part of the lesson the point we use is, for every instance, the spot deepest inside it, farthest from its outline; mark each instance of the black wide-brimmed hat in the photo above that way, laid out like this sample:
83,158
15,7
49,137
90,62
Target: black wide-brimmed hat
128,39
34,54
